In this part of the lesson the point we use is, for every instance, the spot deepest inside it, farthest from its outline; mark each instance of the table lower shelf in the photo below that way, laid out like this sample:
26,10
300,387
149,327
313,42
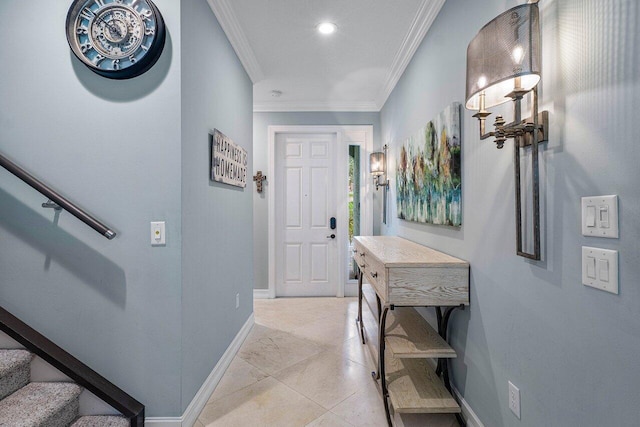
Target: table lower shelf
414,388
412,384
409,335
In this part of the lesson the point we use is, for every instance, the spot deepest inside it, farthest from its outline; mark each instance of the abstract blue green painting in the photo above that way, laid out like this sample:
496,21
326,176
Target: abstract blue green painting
428,172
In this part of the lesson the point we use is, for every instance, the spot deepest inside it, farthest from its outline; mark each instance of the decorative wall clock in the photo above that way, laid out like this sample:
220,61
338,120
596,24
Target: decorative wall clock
118,39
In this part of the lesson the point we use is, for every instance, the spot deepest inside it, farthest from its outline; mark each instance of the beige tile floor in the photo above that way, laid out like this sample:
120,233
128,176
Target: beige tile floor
303,365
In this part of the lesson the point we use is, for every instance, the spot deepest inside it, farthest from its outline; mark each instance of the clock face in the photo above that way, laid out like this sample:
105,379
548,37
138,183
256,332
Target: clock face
119,39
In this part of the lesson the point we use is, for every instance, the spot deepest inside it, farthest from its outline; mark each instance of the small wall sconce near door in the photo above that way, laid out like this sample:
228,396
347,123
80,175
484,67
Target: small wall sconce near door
503,64
378,167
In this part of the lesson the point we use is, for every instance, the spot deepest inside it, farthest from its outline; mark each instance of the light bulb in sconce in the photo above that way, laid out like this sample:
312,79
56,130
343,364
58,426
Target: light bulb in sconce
518,54
377,163
482,82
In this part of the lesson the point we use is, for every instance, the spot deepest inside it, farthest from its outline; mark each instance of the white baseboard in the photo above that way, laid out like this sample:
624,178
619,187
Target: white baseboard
469,416
261,294
202,396
198,402
351,290
163,422
265,293
467,413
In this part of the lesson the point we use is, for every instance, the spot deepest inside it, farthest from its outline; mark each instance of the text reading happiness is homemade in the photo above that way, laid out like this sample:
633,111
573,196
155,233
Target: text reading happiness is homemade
230,160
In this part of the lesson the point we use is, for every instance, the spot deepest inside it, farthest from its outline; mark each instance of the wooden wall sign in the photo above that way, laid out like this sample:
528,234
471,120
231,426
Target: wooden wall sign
228,160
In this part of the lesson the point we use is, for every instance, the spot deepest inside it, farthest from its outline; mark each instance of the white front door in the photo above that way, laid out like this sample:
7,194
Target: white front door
305,201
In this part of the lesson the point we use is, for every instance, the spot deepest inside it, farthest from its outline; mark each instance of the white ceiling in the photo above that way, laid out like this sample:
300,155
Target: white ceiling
354,69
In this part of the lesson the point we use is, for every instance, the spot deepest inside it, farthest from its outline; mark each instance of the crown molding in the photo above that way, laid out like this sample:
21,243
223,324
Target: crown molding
300,106
231,27
427,13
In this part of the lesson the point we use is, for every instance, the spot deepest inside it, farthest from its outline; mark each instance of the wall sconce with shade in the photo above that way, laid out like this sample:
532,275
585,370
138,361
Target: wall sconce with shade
503,64
378,168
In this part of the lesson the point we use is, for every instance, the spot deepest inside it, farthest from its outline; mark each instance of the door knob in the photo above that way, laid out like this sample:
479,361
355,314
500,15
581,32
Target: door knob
331,236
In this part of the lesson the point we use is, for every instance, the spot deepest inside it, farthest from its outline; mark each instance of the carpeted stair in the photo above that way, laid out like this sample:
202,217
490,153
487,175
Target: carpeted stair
32,404
101,421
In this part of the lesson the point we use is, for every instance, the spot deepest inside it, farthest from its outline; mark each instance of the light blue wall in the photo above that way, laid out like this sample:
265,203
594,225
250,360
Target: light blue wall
261,123
217,245
114,148
153,320
571,350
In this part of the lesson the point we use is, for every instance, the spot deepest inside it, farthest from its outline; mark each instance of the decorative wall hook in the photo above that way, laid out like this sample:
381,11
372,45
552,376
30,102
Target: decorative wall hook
258,178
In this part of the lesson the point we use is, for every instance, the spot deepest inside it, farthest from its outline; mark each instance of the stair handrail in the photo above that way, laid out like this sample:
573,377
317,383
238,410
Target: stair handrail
57,198
83,375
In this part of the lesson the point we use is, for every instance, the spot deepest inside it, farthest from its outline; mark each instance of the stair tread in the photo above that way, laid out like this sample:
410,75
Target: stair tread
41,404
101,421
13,359
15,371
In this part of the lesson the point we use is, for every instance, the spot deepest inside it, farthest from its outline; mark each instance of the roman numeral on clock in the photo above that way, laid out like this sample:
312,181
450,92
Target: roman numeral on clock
87,14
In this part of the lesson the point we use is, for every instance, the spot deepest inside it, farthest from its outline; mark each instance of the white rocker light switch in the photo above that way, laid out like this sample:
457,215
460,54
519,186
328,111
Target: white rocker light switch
600,269
600,216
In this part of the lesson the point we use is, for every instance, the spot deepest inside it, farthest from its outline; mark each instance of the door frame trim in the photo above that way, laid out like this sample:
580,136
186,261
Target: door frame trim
365,186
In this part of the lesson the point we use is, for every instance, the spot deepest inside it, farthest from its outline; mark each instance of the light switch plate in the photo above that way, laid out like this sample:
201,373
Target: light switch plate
606,269
514,399
600,216
158,234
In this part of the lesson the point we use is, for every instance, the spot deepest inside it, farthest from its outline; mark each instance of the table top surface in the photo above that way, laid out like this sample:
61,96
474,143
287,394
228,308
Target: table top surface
394,251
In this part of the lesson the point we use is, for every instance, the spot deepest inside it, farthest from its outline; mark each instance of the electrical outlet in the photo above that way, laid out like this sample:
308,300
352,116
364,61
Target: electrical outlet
514,399
237,300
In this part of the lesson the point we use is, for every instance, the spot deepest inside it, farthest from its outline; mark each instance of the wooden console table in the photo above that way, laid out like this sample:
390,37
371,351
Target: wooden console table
406,275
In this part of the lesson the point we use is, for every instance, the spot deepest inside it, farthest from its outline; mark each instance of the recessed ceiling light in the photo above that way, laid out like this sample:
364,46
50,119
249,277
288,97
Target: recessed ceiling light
327,28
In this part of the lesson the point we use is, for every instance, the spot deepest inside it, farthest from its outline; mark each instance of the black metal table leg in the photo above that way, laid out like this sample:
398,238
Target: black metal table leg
439,318
381,367
443,363
379,304
359,319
